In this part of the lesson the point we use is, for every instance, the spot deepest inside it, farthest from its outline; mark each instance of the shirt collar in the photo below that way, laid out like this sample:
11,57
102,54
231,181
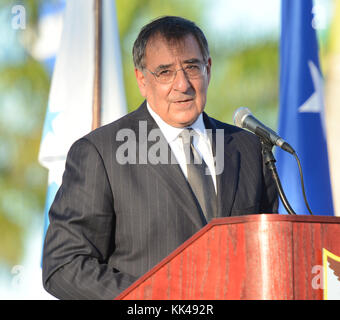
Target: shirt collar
171,133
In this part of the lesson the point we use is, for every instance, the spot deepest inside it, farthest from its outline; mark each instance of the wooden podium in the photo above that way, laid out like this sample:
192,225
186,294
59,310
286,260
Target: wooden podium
266,256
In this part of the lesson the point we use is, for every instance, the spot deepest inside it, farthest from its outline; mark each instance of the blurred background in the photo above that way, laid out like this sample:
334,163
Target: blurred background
244,37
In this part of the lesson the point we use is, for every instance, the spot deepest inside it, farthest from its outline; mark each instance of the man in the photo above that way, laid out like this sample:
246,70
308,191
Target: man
124,203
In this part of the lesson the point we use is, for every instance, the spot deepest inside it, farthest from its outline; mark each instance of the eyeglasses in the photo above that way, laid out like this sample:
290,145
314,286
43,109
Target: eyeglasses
191,71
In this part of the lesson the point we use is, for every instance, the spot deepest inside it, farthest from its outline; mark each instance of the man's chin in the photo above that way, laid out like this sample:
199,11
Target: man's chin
183,122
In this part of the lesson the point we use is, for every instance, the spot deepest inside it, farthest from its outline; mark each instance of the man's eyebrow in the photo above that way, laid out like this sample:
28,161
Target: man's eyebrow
163,66
193,60
188,61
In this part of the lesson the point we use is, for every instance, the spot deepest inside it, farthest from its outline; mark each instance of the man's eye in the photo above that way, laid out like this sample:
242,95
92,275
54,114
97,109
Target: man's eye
165,72
192,67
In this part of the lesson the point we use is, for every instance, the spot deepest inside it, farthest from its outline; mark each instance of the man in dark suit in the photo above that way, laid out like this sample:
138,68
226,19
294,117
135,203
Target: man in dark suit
129,195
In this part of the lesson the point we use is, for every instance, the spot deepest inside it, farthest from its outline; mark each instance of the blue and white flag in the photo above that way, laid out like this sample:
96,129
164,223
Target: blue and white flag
69,112
49,29
302,117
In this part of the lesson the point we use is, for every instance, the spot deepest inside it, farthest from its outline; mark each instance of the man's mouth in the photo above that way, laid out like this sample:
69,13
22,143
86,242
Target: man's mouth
184,101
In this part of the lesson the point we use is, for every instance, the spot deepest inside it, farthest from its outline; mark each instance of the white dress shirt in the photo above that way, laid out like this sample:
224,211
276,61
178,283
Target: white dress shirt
201,142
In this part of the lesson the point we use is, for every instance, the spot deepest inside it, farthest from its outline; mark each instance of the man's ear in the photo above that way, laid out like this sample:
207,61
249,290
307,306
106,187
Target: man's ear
209,69
141,81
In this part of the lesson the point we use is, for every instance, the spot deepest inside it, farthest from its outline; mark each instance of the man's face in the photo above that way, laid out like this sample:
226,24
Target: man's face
180,102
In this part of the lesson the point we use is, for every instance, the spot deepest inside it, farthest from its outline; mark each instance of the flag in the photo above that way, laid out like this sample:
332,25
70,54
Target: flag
301,115
69,111
49,30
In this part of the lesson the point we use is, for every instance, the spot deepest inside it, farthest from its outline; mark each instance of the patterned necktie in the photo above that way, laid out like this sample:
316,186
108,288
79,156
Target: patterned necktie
199,176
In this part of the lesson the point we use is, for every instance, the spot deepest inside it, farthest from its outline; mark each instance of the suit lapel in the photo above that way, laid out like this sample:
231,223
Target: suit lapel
167,170
227,163
227,181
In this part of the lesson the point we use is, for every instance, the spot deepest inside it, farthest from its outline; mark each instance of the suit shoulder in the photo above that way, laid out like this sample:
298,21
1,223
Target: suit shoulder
100,138
236,132
128,121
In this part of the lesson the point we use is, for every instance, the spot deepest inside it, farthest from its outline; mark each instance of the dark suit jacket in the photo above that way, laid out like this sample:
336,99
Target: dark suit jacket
110,223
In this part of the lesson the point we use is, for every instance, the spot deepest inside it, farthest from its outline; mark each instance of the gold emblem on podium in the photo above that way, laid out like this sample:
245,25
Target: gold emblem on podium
331,274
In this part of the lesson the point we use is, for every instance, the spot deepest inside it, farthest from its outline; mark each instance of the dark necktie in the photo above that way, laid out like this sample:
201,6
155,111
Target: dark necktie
199,176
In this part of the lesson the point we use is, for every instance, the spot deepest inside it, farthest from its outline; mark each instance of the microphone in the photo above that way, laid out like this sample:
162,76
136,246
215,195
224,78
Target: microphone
243,118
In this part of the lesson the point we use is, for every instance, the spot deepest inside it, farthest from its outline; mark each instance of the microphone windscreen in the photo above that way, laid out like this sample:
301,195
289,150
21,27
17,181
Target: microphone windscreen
239,115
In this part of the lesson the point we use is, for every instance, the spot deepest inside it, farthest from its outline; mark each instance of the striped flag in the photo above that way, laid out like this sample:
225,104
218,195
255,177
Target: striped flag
69,111
301,116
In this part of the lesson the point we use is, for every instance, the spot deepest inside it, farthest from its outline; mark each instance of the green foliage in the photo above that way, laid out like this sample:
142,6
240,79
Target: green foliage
10,235
24,86
248,77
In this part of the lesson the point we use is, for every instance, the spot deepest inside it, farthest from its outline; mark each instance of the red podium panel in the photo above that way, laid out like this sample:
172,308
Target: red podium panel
267,256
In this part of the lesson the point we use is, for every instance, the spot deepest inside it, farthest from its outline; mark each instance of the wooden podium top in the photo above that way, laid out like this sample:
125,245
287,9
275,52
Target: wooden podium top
273,217
262,256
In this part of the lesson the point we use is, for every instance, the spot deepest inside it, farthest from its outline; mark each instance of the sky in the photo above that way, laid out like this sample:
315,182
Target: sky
255,18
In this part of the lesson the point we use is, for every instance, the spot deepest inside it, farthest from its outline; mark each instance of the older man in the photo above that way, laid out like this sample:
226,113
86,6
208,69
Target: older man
136,189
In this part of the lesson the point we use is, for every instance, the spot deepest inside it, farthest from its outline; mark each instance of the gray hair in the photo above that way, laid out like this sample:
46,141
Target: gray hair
171,28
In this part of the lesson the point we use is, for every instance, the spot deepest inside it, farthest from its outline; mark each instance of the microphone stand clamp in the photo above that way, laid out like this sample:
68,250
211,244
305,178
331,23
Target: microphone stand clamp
270,160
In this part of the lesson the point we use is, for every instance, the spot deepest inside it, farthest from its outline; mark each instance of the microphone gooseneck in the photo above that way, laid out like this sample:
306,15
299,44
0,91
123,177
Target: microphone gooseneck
243,118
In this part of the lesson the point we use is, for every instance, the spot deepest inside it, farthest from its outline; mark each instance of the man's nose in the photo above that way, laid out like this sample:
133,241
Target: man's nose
181,81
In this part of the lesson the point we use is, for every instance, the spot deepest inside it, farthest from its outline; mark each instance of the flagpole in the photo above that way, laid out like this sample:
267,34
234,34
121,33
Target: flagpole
96,107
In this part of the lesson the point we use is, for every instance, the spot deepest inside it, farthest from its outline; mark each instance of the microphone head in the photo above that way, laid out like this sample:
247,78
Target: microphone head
239,115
